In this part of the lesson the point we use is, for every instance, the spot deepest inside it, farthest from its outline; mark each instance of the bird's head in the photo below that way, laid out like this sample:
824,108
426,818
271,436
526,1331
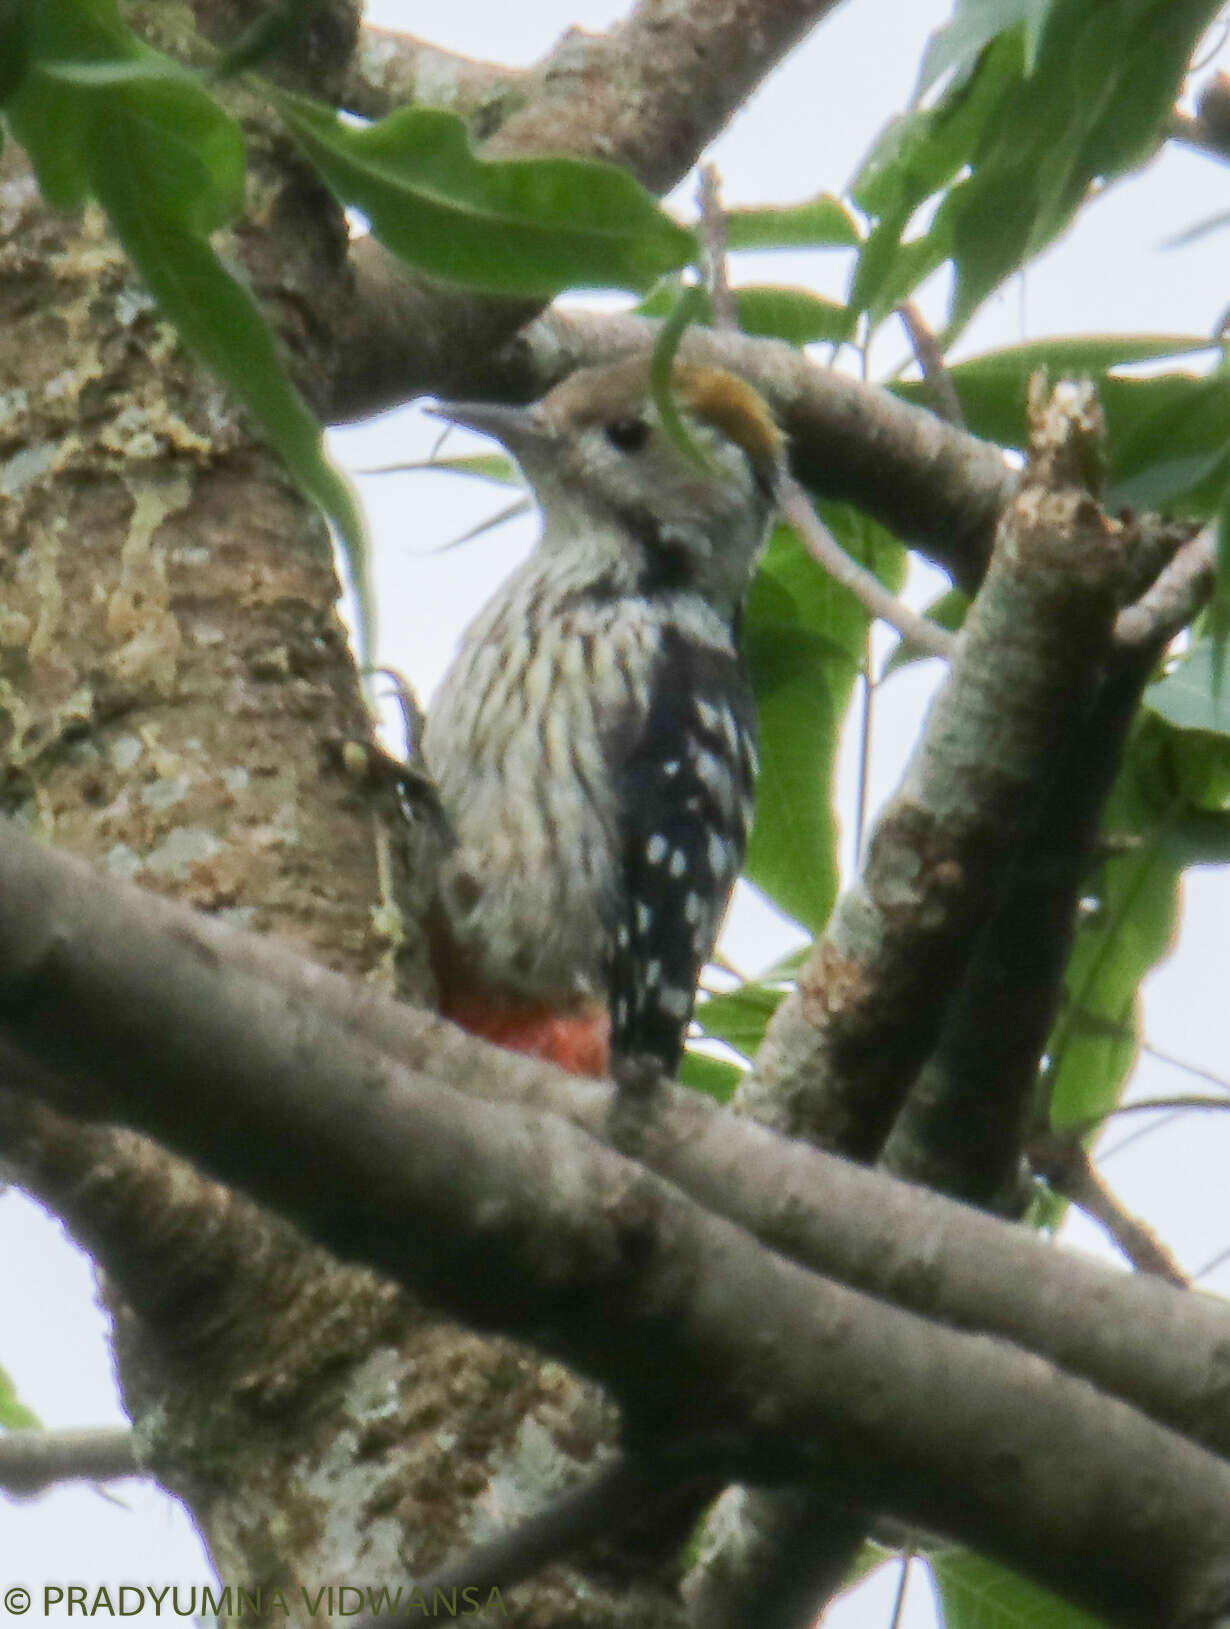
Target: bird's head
615,484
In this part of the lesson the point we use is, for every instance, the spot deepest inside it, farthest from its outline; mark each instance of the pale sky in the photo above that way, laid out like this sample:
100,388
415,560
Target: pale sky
806,131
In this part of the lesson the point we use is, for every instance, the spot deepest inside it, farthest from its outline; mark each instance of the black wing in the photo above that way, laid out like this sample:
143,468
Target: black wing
685,810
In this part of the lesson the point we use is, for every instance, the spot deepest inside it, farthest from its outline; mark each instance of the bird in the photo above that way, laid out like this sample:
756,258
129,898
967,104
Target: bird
593,742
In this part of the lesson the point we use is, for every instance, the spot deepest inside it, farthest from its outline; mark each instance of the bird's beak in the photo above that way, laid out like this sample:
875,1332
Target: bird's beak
516,427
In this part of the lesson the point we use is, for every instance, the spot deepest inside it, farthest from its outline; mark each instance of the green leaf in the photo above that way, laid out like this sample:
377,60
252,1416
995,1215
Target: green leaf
1218,616
993,388
14,1415
188,155
52,120
976,23
917,155
691,302
14,45
514,226
493,467
977,1594
820,223
1177,445
275,28
87,72
1131,927
1188,699
220,321
101,113
716,1077
740,1017
805,640
1067,97
1106,78
793,314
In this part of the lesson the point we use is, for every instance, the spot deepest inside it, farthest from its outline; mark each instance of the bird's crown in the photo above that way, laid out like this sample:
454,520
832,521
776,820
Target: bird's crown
621,391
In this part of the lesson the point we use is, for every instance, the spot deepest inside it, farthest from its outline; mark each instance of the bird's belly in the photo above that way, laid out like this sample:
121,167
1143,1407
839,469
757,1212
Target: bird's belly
529,892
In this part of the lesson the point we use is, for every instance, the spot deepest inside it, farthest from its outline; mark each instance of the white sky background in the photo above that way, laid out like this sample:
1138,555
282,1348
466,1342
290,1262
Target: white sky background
806,131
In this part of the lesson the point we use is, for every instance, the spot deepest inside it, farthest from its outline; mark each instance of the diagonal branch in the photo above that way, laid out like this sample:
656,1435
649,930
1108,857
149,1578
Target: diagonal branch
917,633
532,1226
1129,1336
845,1047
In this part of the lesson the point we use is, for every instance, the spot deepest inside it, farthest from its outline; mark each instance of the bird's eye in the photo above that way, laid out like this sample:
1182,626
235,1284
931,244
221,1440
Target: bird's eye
628,435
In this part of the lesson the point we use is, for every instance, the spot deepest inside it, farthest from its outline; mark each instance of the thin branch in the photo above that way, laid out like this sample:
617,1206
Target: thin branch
916,631
1193,1069
866,711
1144,1105
1066,1166
930,359
1139,1135
1180,590
907,1561
1211,1266
713,227
32,1461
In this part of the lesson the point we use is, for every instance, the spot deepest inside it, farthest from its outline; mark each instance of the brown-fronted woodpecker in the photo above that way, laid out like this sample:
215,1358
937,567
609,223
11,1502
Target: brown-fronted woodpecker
593,742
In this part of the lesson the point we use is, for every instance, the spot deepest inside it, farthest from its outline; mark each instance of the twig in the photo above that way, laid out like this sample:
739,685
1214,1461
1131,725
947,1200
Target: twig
1170,603
863,790
1148,1105
1193,1069
32,1460
1062,1160
930,359
907,1561
866,587
713,231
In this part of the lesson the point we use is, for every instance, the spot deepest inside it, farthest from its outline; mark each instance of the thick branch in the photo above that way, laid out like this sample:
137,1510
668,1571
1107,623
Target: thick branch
1135,1338
963,1127
937,487
389,70
531,1224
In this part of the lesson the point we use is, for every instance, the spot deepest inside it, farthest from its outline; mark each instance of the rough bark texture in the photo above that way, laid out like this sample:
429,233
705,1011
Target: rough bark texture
175,684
